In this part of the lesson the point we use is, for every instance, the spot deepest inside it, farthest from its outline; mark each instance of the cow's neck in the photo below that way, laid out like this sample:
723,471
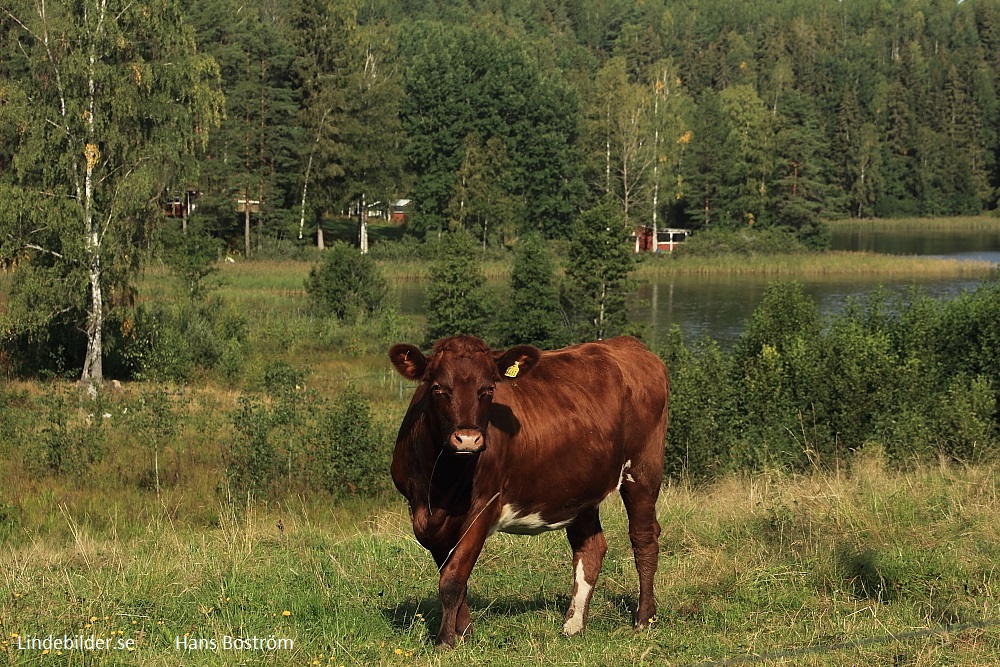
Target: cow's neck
447,478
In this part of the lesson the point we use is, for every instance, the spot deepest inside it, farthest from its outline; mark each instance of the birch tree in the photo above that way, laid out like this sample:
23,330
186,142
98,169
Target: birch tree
107,98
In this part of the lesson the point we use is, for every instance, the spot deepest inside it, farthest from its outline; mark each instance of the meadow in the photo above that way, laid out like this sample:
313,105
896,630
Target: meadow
864,566
121,520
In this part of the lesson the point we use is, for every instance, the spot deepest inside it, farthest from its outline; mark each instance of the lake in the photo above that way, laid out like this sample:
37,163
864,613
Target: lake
718,305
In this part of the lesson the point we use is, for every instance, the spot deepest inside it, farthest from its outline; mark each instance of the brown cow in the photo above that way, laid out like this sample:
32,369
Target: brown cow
523,441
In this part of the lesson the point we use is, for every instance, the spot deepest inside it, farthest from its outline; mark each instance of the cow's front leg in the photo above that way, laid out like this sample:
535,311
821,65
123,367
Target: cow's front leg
589,546
453,585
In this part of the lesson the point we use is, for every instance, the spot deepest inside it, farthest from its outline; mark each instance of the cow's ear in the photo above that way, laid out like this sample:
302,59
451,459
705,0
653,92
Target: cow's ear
517,361
408,360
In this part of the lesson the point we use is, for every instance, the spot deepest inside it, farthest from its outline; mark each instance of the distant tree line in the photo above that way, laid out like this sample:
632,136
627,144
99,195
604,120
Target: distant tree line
514,117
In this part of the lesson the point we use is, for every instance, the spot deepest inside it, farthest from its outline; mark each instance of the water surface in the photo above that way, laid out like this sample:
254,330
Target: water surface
718,305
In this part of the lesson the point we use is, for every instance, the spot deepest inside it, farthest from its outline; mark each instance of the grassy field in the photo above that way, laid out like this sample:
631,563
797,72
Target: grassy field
863,567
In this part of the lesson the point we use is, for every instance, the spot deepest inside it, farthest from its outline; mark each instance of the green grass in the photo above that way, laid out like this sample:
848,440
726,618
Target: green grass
827,567
818,570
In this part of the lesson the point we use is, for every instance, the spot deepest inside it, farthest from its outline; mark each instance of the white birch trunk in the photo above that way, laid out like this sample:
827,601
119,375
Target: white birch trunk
363,226
93,368
659,90
305,182
305,189
246,223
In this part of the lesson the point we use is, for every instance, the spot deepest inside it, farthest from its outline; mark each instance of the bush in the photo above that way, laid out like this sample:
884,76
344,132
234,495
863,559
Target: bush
350,449
346,283
72,438
746,242
701,426
914,377
252,462
172,342
191,257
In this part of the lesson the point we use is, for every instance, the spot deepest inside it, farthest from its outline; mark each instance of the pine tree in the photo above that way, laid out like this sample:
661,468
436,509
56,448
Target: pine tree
254,155
532,315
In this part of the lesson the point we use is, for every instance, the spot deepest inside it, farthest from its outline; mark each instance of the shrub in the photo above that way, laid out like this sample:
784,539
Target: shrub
72,439
350,451
748,242
173,341
346,283
251,462
700,429
191,257
914,377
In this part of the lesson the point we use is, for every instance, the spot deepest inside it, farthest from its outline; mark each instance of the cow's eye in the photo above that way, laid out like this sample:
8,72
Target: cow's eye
485,392
438,390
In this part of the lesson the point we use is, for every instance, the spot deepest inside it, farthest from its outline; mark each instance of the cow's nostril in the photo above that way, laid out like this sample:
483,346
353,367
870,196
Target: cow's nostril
467,440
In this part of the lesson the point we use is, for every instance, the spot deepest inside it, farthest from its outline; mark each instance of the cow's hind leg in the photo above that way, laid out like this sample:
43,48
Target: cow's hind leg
639,496
586,538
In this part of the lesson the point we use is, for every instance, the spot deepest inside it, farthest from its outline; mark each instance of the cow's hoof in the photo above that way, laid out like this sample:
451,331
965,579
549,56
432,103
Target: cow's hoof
642,625
572,626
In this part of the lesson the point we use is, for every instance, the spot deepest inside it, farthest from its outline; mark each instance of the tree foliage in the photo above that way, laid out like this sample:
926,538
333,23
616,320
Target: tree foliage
106,99
533,314
456,299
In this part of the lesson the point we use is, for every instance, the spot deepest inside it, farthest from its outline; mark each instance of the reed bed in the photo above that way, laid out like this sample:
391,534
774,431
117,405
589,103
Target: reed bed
285,278
831,263
988,223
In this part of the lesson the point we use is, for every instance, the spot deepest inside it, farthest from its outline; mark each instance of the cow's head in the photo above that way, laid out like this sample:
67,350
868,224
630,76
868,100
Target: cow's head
460,375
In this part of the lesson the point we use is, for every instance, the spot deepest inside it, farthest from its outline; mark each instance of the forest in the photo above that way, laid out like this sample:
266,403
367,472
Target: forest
509,116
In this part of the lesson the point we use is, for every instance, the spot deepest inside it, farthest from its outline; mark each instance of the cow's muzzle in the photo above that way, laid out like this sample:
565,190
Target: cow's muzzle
467,441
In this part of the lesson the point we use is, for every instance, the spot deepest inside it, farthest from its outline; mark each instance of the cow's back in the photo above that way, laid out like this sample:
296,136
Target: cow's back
568,433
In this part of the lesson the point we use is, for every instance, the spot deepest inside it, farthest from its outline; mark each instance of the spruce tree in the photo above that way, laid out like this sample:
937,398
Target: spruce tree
532,315
456,300
600,263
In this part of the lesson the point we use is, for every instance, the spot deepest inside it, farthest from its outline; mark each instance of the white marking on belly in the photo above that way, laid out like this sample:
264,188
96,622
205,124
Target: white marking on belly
623,476
510,521
578,606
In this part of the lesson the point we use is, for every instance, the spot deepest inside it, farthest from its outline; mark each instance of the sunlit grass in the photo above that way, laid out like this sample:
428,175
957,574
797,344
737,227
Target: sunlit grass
830,567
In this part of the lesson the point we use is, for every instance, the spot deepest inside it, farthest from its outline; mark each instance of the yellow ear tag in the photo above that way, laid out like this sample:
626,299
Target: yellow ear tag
512,371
